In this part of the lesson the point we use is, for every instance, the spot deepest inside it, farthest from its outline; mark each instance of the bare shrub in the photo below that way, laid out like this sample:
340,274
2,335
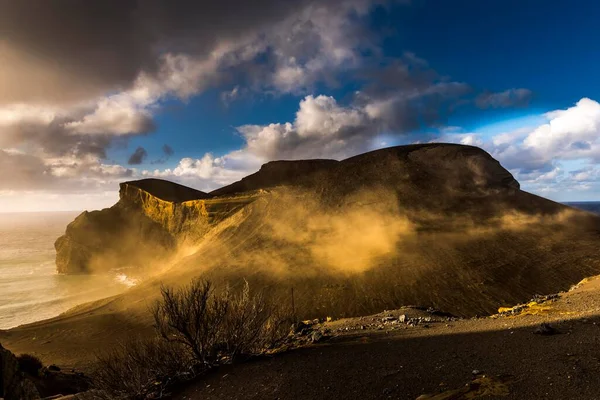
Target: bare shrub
252,324
141,369
29,364
217,325
198,328
192,316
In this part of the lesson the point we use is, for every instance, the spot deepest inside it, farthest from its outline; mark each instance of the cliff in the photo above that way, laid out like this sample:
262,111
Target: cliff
14,384
276,173
150,221
437,225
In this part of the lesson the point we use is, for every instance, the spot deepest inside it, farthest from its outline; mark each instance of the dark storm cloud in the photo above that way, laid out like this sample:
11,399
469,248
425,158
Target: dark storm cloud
68,50
167,153
54,139
22,172
408,94
395,100
138,156
168,150
508,98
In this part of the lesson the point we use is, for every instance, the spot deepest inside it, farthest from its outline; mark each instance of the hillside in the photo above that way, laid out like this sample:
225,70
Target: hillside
437,225
276,173
381,357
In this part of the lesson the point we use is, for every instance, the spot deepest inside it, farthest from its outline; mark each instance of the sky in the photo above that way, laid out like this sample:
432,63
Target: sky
203,93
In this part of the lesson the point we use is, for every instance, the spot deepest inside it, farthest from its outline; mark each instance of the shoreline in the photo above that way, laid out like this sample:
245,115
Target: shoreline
88,291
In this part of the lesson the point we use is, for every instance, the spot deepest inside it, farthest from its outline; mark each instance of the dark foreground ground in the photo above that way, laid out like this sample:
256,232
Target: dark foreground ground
391,356
484,358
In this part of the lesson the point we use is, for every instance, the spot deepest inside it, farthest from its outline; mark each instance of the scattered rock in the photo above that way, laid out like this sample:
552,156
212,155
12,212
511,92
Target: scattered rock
299,327
545,329
540,299
316,337
480,386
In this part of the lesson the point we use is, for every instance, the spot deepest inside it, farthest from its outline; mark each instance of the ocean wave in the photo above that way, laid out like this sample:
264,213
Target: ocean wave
125,280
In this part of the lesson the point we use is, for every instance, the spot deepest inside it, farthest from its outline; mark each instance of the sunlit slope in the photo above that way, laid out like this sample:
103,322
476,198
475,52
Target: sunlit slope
432,225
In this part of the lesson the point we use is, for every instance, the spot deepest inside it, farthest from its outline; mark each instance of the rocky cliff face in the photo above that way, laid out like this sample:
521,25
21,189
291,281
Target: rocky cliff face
154,217
436,225
139,228
13,383
151,220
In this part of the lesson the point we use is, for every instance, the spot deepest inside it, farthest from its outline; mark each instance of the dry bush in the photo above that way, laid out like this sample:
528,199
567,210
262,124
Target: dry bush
193,317
252,324
217,325
198,328
142,369
29,364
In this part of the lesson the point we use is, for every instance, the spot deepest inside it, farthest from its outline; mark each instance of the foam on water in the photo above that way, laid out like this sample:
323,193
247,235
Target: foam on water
30,288
125,280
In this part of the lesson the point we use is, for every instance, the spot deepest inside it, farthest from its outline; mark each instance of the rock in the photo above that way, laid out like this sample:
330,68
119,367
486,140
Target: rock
476,372
13,383
53,368
300,327
316,337
458,184
402,319
151,217
546,330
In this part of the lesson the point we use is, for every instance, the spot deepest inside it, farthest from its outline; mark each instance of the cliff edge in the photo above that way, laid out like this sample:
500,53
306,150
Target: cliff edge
436,225
153,217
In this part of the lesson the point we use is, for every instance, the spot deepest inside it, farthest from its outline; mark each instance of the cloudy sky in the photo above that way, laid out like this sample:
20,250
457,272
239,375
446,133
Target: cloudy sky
93,93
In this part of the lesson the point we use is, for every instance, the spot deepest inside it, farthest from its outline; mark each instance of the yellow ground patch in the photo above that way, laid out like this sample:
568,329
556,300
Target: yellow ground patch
481,386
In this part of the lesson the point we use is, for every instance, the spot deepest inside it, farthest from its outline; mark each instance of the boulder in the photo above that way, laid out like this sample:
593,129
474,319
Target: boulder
13,383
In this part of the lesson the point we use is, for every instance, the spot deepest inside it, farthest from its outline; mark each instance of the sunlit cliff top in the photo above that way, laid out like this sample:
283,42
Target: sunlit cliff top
166,190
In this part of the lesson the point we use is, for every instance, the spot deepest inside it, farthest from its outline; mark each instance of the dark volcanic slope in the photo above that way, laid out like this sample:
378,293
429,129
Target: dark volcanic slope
167,191
437,225
277,173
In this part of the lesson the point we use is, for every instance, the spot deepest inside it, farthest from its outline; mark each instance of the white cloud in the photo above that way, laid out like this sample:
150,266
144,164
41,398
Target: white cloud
541,157
309,45
569,134
206,173
322,128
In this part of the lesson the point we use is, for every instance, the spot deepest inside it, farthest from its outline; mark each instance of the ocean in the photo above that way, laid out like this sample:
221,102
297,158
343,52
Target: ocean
591,206
30,288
